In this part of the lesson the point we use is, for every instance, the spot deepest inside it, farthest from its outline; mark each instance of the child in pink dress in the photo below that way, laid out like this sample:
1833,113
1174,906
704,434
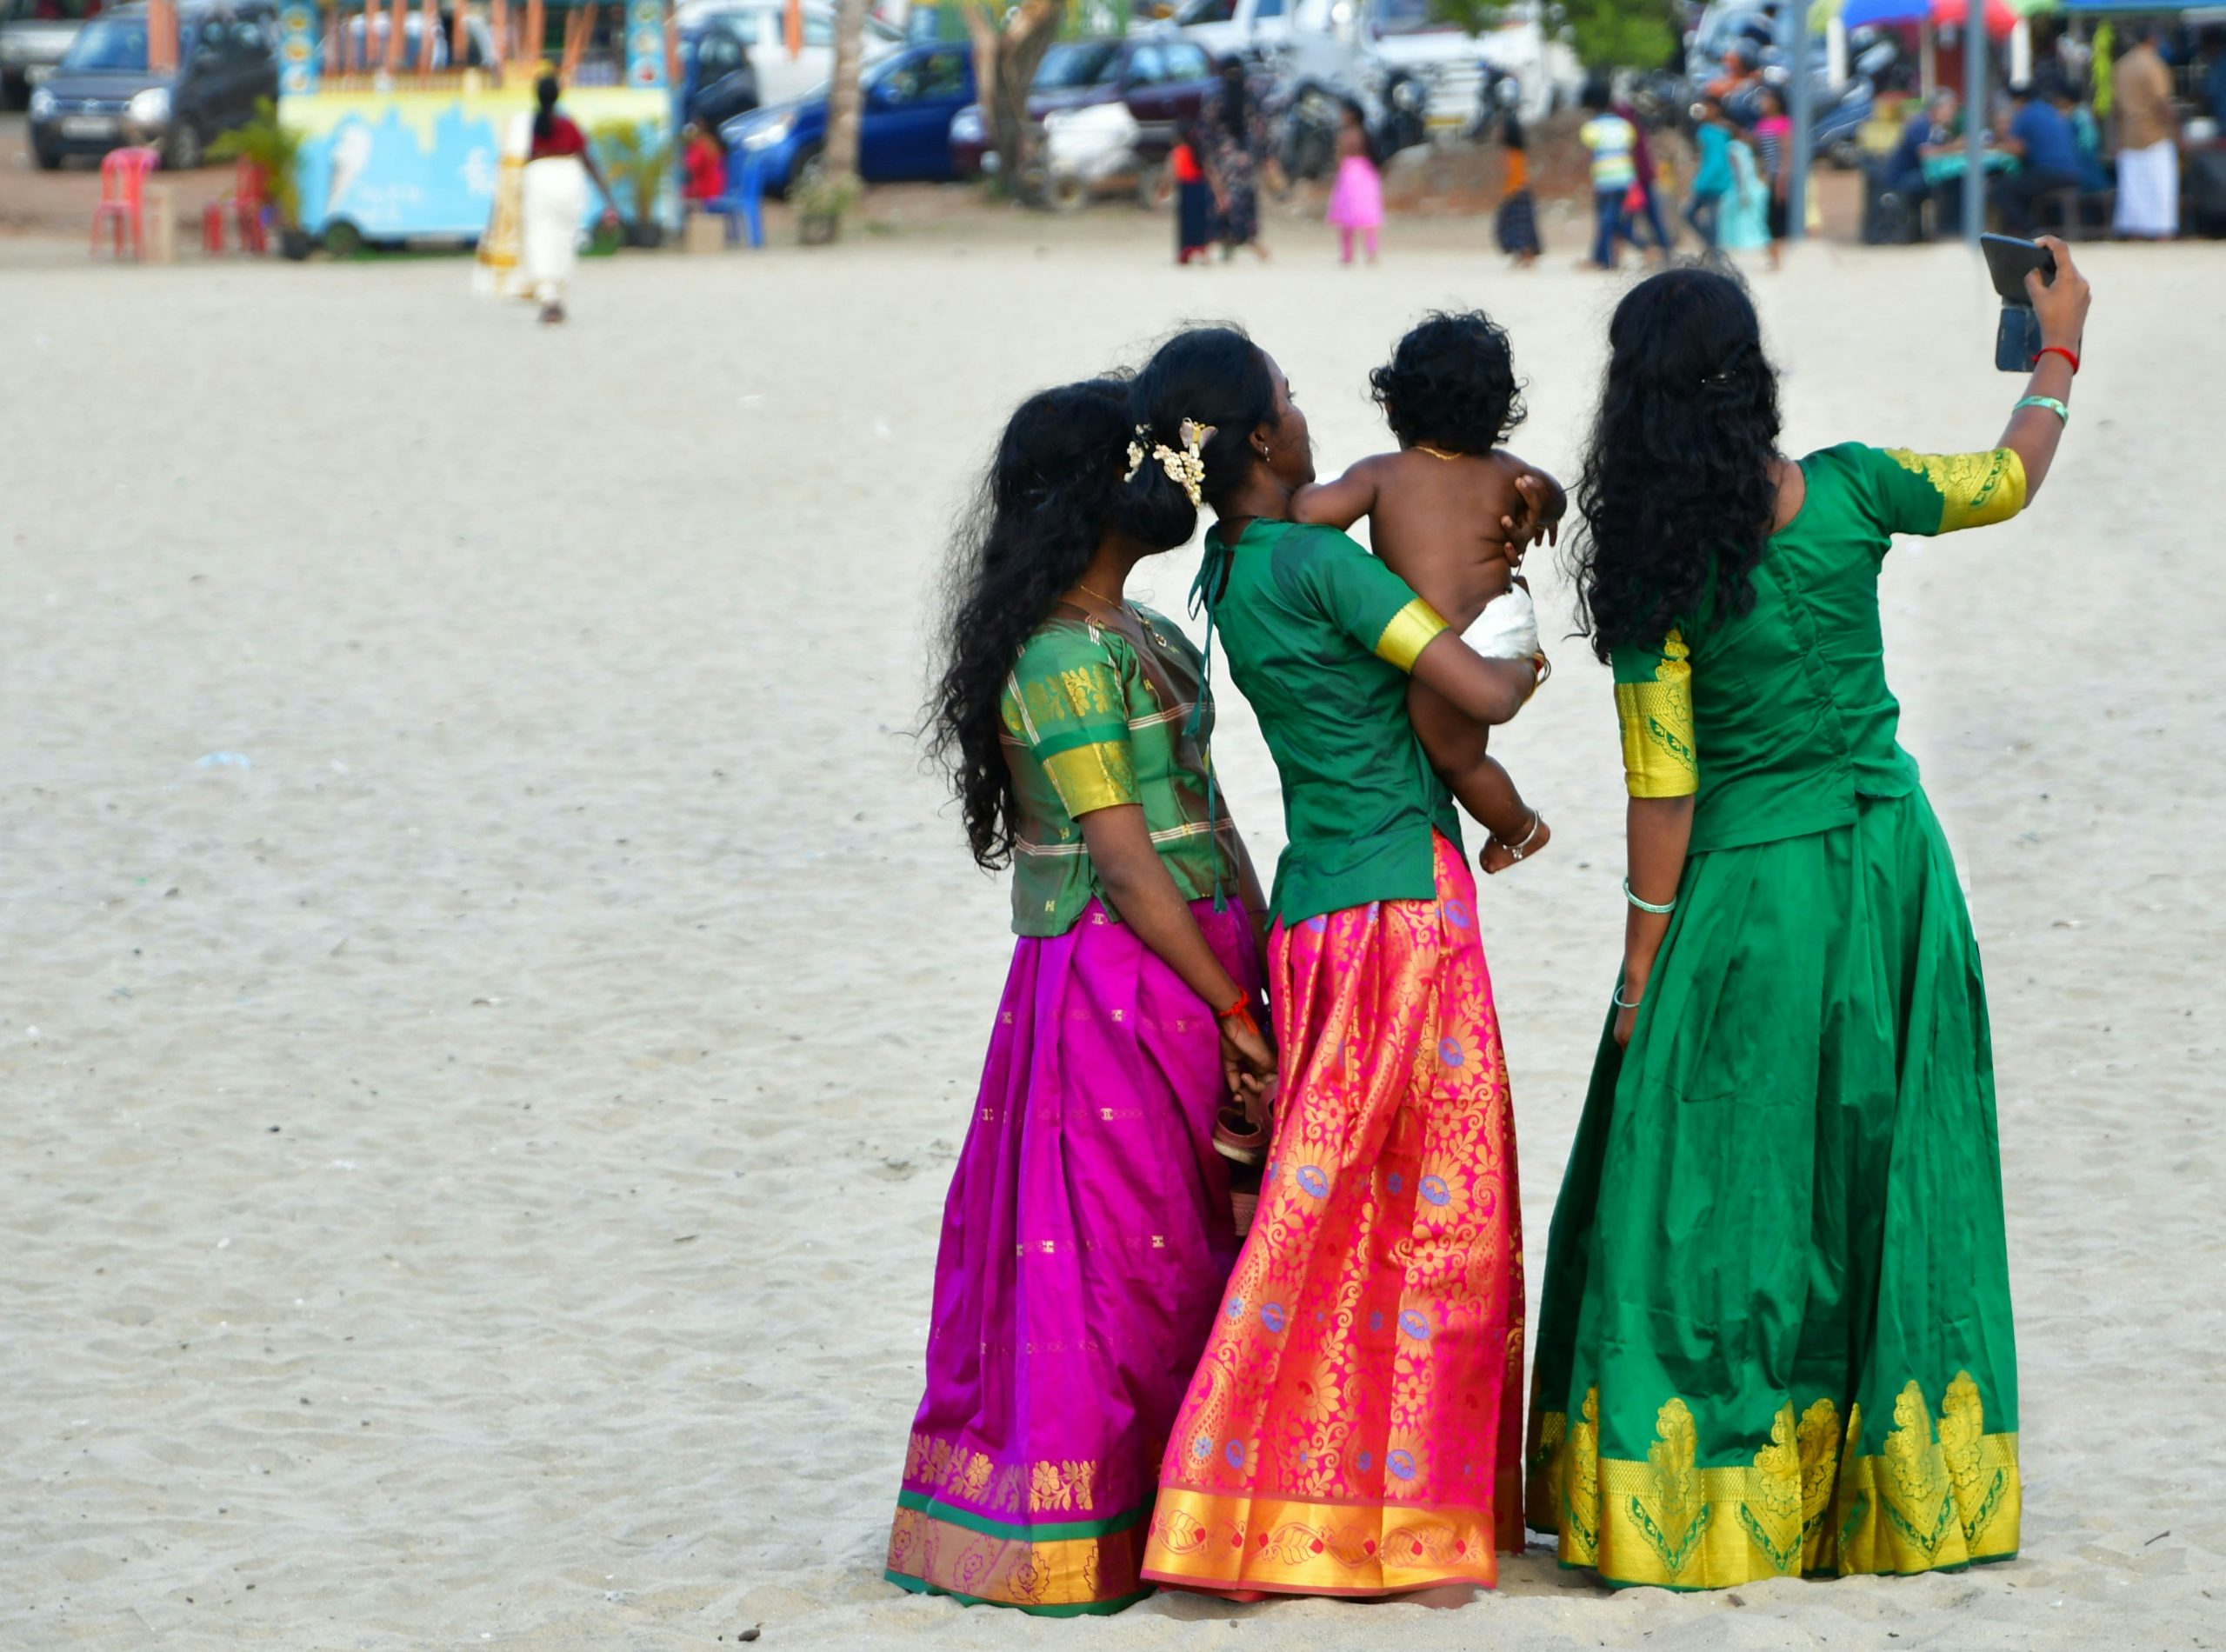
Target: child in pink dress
1356,202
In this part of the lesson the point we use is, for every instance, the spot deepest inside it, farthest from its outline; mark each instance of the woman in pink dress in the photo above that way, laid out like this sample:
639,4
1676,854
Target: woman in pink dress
1356,202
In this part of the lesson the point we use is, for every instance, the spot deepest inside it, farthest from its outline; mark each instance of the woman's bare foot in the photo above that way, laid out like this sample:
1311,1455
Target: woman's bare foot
1497,856
1444,1596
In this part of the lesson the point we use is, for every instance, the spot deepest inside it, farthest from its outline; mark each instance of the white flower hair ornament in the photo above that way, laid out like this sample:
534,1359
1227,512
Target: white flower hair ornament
1186,468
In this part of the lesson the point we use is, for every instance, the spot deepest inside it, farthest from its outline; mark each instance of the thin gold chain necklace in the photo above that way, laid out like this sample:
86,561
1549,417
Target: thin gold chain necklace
1424,446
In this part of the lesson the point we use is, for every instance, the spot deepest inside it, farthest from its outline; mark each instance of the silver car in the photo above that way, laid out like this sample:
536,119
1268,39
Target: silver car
33,35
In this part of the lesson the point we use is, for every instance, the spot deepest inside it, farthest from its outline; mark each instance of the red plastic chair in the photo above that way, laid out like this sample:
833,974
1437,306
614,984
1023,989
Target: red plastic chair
123,192
244,206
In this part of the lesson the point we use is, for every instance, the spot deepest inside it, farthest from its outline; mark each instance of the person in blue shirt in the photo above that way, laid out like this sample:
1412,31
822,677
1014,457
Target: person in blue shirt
2214,82
2086,137
1712,177
2047,157
1932,128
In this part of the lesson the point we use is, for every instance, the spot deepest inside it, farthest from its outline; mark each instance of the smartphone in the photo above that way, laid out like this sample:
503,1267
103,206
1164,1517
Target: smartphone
2017,337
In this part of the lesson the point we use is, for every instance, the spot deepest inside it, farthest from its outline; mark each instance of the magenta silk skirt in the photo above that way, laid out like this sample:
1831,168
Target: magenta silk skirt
1085,1242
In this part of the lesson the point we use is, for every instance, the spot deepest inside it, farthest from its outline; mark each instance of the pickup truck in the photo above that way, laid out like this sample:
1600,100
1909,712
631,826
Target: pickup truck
1352,47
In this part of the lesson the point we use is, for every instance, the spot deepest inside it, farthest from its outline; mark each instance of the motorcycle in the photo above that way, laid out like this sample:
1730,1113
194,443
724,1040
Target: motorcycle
1305,116
1087,151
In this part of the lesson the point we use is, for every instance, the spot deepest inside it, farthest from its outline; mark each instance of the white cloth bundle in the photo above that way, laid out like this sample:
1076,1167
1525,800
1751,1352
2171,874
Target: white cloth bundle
1508,628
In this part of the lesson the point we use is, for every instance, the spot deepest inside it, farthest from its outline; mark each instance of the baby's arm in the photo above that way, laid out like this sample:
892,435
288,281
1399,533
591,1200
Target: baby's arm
1339,504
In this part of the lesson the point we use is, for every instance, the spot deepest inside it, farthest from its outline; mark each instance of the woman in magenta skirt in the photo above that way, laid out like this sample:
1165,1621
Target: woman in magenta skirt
1087,1236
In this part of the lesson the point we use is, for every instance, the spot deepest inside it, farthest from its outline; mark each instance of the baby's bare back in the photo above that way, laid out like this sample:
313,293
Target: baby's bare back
1437,525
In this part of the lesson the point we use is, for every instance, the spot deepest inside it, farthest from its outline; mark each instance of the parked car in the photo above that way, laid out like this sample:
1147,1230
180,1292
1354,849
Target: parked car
903,129
1163,81
718,79
758,25
33,35
103,96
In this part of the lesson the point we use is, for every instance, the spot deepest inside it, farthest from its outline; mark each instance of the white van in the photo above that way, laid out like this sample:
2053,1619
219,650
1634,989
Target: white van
783,78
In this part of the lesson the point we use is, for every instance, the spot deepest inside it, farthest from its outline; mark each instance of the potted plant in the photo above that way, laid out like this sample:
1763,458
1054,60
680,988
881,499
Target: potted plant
639,163
274,151
821,203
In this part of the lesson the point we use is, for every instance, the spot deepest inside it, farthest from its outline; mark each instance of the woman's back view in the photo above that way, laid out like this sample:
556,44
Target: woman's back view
1776,1336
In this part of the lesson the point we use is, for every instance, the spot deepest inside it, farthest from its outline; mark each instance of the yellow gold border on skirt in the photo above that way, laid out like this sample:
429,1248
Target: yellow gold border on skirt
1281,1544
1938,1496
1012,1571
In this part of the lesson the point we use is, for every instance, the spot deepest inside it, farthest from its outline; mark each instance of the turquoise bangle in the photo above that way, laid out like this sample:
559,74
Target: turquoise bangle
1648,906
2048,402
1617,997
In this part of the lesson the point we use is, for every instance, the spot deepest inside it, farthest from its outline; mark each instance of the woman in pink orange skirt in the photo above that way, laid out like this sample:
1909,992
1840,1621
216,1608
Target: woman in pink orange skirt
1356,202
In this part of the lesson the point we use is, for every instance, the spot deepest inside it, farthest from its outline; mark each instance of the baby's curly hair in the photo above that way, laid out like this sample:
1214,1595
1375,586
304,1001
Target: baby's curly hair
1451,384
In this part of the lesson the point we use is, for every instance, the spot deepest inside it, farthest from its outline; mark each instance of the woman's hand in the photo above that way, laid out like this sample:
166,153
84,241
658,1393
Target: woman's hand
1625,1020
1248,1062
2060,305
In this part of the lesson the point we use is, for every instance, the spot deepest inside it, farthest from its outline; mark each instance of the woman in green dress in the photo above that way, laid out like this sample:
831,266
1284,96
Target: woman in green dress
1775,1333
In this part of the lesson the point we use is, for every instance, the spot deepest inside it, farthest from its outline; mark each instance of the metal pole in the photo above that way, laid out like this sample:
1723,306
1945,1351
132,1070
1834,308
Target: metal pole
1974,120
1805,133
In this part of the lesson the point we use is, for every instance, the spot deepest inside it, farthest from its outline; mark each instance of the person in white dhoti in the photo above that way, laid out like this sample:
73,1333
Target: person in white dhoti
2148,142
556,176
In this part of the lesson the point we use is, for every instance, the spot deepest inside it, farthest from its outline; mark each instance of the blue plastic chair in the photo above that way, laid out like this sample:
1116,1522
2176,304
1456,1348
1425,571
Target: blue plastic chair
743,206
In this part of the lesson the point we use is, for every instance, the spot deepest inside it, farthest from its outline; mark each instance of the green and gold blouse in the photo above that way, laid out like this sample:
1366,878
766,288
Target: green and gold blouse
1088,727
1780,718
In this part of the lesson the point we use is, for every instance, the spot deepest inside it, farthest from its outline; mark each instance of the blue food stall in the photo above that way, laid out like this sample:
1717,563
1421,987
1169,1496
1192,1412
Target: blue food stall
414,121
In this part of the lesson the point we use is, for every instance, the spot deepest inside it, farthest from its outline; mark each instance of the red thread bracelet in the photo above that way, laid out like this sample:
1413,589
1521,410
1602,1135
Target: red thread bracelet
1241,1013
2058,349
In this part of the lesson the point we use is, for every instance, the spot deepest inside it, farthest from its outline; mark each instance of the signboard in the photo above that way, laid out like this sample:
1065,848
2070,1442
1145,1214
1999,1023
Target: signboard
409,164
645,44
297,40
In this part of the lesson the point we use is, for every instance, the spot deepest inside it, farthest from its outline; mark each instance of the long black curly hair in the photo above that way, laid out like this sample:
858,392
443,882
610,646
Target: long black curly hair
1053,490
1451,383
1677,492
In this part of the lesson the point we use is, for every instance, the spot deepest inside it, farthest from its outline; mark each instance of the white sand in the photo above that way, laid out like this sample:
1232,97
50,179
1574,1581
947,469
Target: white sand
475,1176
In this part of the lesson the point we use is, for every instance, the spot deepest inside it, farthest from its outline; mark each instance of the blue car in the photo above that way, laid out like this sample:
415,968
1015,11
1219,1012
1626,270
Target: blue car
903,133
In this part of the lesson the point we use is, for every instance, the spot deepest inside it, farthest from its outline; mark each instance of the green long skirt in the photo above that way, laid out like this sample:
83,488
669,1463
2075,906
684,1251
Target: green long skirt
1776,1331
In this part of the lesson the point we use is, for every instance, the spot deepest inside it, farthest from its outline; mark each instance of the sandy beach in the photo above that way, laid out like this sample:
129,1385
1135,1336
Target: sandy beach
490,997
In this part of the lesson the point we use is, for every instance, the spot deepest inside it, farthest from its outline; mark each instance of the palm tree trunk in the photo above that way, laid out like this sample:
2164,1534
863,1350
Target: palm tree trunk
842,99
1008,50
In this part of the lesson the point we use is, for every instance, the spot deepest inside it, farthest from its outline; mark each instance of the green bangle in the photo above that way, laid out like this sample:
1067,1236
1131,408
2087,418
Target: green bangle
2048,402
1663,910
1617,997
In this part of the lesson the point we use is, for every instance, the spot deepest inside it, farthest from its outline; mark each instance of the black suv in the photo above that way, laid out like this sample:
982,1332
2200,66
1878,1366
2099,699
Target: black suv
102,95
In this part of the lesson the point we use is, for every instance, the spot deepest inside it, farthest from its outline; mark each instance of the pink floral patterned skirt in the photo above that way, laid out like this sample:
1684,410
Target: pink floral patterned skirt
1355,1427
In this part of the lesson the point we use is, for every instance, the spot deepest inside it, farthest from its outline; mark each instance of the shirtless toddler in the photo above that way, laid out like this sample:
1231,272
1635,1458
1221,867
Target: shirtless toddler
1452,513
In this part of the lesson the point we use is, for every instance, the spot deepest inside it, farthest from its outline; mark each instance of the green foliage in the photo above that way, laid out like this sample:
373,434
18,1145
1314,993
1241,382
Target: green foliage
637,161
273,150
1471,18
1619,34
826,197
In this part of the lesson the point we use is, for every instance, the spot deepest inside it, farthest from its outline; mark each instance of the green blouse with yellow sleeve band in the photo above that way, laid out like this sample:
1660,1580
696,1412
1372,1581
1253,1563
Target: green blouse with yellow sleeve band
1089,723
1320,636
1777,721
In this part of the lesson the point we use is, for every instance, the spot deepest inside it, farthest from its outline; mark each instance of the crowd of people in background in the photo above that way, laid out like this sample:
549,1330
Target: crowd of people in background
1740,196
2092,140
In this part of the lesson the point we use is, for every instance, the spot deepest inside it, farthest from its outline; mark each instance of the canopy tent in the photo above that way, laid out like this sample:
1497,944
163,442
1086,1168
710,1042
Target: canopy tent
2001,16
